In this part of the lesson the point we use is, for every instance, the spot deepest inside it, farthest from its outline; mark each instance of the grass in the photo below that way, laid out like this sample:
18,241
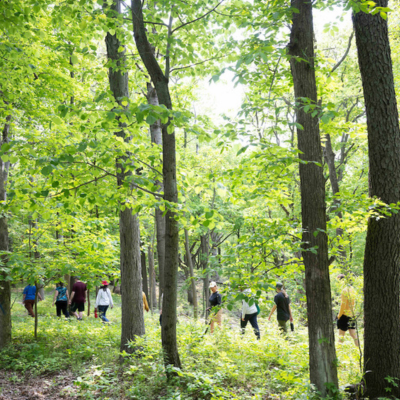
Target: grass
224,365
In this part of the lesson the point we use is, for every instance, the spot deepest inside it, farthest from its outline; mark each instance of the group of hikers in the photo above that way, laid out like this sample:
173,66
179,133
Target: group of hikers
249,312
76,302
345,319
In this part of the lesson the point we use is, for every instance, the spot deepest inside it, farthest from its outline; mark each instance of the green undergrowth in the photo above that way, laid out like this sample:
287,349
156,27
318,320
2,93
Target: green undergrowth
225,365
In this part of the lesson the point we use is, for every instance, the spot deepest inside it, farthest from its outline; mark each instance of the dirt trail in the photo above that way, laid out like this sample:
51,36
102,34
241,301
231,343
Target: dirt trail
15,386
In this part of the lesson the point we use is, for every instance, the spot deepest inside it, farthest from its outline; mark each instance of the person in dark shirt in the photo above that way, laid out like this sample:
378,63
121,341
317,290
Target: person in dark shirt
78,298
282,304
215,301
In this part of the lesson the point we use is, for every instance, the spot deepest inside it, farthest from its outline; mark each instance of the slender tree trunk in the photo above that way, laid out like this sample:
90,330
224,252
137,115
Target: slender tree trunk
204,249
322,352
5,288
152,278
171,260
215,238
333,177
131,279
144,275
156,138
88,302
187,279
191,275
36,311
382,251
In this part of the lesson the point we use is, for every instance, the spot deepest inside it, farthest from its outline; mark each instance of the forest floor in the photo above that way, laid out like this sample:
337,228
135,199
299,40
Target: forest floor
79,360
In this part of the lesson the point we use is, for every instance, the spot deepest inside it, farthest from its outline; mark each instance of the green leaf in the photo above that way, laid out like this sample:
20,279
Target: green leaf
242,150
74,59
170,128
57,120
151,120
209,214
47,170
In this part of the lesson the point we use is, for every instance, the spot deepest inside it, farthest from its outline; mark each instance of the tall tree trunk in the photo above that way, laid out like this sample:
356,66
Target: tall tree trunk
152,279
131,279
185,268
156,138
204,250
144,275
88,302
191,274
5,288
322,354
382,252
36,311
333,177
171,260
215,238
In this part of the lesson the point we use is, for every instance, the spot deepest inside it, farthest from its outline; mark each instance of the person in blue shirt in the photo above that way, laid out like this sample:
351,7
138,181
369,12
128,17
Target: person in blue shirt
61,298
28,299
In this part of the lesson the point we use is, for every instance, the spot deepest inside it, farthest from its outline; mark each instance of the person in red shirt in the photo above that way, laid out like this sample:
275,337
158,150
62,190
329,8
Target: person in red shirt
78,298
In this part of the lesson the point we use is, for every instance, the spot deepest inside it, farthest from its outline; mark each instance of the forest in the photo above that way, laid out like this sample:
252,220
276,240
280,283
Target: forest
188,167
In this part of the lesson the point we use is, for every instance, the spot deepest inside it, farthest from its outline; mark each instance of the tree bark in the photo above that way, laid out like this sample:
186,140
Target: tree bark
171,260
152,279
191,275
144,275
204,251
185,268
333,177
382,252
322,354
5,288
131,279
156,138
36,311
88,302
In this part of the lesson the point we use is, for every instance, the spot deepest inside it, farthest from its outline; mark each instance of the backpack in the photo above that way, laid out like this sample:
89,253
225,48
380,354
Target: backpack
258,309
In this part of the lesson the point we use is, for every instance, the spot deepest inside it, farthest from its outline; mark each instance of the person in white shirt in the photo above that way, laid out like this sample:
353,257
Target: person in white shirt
249,313
103,301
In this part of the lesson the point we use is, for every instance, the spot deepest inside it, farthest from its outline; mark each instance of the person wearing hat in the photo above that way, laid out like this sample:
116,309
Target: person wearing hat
282,304
78,298
215,301
103,301
346,317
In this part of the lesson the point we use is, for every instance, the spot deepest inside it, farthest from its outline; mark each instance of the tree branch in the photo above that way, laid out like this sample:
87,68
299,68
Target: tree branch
197,19
345,54
167,55
198,63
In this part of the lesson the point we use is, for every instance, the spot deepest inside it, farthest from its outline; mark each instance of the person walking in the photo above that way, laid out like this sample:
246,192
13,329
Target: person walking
61,298
249,314
282,304
215,301
28,298
103,301
346,317
78,298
